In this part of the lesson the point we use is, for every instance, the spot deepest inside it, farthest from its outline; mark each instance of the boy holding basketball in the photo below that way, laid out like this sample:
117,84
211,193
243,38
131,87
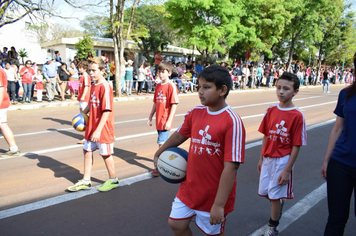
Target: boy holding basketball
215,153
165,102
99,133
284,130
83,89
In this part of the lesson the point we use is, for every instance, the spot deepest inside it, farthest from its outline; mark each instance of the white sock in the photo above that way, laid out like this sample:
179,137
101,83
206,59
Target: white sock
114,179
86,181
14,149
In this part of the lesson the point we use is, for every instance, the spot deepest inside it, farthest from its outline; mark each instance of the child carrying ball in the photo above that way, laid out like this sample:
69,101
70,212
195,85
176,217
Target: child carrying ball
215,153
283,127
99,133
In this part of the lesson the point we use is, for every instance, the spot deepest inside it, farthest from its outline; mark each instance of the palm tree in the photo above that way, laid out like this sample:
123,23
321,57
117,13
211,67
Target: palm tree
23,54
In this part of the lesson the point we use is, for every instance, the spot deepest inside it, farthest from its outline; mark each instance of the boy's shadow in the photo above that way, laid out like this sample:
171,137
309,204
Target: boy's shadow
59,169
60,121
131,158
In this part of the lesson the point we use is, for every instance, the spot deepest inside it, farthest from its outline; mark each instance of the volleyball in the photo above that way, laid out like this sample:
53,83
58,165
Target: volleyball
172,164
80,121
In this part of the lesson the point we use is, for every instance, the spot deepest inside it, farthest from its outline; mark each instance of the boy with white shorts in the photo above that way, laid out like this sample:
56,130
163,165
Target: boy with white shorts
284,130
4,128
83,89
99,133
216,150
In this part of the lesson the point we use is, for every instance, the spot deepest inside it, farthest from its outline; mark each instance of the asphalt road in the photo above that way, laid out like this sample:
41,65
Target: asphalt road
32,187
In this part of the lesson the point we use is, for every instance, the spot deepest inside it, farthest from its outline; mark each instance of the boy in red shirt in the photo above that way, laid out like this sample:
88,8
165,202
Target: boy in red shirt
99,133
215,153
83,89
284,130
4,128
165,102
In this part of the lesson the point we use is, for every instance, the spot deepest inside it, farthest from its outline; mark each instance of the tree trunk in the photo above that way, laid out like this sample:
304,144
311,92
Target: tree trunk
319,64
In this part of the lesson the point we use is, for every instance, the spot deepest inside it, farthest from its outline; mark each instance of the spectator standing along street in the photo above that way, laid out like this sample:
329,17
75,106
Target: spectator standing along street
50,73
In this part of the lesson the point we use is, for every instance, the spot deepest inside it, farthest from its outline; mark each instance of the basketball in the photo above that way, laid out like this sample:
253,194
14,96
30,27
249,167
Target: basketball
172,165
80,121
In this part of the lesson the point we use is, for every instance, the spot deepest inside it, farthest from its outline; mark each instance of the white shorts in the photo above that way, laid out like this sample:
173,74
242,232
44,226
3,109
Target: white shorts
83,105
270,171
181,212
3,116
105,149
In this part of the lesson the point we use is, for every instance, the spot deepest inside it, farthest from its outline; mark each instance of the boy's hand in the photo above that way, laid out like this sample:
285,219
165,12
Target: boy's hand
283,179
95,137
149,122
323,170
216,215
259,166
168,125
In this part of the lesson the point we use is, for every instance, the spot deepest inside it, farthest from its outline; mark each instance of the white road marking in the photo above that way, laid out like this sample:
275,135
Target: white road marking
298,210
306,203
145,119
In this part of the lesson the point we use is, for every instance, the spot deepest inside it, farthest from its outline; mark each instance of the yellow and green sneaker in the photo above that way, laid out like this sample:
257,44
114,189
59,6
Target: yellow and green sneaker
80,185
11,154
108,185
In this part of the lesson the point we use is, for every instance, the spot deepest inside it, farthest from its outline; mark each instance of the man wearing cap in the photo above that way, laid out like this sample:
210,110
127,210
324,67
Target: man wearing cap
50,73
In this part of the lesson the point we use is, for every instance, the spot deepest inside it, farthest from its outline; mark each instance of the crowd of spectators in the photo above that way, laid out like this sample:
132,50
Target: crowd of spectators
141,78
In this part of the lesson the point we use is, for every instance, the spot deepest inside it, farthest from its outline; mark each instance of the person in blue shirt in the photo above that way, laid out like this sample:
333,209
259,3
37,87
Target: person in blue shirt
50,73
339,167
198,68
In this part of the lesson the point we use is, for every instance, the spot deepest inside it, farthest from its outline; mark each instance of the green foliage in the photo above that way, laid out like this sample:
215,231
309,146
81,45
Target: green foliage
23,54
84,46
97,25
209,25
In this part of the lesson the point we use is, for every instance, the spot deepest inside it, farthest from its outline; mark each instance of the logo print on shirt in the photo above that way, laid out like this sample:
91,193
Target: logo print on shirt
280,127
94,101
205,135
160,98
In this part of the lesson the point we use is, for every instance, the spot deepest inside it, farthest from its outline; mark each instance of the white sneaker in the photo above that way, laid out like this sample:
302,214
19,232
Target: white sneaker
271,231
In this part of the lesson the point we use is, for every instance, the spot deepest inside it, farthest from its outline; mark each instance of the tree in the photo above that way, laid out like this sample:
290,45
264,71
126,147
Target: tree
97,25
84,46
151,32
120,32
209,25
13,11
23,54
262,26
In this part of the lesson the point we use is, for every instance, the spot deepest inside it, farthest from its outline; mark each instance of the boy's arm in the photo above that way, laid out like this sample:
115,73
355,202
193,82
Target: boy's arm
259,165
225,186
96,134
153,111
174,140
283,178
168,124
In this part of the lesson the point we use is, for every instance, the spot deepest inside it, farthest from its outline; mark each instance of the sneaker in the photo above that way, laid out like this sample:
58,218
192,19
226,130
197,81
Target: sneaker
271,231
108,185
281,211
81,141
155,173
80,185
11,154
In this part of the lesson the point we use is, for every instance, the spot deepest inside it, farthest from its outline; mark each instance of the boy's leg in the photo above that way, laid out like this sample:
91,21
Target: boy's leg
110,166
180,227
88,163
275,209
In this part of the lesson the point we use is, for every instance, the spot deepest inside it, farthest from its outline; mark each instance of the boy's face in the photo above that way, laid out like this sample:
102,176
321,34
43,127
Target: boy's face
285,90
81,70
209,95
95,73
164,75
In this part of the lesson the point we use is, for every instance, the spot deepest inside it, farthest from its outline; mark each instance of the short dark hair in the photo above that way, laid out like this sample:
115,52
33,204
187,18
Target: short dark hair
165,66
55,52
218,75
291,77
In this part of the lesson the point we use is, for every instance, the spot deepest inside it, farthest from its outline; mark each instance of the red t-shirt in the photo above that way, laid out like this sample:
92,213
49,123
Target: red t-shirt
27,77
284,128
84,80
158,59
165,95
213,142
3,83
101,99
